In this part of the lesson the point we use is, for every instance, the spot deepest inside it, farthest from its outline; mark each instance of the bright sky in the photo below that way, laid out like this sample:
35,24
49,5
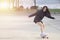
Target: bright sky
28,3
49,3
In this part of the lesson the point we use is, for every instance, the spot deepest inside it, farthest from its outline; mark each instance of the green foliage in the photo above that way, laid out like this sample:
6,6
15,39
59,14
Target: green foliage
54,10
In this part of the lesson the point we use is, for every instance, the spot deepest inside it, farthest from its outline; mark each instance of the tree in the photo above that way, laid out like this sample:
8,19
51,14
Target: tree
13,3
17,3
34,2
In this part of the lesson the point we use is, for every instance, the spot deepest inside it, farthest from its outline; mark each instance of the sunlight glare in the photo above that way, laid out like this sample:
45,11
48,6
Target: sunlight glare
4,5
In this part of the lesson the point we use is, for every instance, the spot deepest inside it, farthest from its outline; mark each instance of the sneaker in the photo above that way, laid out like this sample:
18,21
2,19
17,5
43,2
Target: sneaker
44,35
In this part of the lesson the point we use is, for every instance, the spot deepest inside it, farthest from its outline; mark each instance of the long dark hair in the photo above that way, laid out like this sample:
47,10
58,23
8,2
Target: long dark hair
47,9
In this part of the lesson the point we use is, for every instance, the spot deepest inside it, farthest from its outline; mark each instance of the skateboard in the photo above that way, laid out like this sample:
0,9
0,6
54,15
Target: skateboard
45,37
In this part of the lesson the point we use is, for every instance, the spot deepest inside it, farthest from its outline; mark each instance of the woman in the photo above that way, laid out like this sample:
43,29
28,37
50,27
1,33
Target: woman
39,15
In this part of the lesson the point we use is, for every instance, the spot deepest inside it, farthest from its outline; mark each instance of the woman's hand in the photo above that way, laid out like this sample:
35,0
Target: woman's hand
53,18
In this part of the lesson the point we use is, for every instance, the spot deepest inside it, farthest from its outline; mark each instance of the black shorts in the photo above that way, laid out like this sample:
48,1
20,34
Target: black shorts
38,21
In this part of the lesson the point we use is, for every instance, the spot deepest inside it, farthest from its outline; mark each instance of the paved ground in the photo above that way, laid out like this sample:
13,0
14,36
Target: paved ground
23,28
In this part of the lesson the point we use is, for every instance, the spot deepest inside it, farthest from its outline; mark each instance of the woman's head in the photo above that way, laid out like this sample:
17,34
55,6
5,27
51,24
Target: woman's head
45,9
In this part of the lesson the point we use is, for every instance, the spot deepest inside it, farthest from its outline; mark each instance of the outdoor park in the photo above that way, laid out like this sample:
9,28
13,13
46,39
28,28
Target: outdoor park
16,25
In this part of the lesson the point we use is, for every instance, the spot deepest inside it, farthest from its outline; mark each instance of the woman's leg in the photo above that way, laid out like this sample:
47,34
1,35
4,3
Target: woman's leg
42,27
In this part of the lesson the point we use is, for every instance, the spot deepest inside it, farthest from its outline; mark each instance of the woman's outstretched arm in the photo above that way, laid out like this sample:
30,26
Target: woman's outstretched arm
49,15
32,15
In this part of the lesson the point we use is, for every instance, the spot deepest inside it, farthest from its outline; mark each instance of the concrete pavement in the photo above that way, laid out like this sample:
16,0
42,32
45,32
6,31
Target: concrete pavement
23,28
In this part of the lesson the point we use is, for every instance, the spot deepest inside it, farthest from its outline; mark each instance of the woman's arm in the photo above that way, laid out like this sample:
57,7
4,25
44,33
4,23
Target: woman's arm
49,15
32,15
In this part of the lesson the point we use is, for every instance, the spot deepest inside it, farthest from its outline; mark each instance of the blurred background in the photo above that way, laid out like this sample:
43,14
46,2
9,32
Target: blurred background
24,5
16,25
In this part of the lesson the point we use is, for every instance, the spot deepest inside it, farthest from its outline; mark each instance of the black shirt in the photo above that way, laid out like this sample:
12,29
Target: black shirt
39,15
